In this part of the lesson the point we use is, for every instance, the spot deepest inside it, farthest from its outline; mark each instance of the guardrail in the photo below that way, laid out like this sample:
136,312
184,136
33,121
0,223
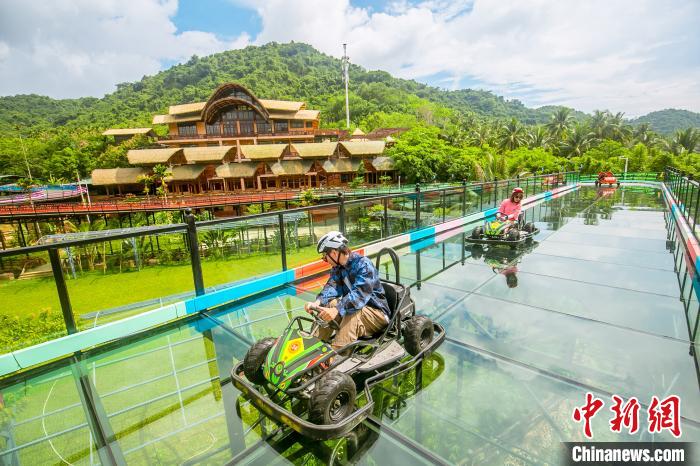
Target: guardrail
686,193
629,176
365,220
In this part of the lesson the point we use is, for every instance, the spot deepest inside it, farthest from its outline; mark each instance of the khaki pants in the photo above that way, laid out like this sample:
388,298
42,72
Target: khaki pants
363,323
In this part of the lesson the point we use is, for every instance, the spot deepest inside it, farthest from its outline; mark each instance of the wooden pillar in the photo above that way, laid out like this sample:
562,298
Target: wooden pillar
259,183
242,184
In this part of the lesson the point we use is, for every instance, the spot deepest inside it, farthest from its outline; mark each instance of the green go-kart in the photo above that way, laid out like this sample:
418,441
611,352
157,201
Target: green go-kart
300,381
506,232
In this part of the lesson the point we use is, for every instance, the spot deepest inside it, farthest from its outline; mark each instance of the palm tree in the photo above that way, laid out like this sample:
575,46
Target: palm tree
578,141
490,167
512,135
560,123
539,137
600,123
685,141
618,130
643,134
480,135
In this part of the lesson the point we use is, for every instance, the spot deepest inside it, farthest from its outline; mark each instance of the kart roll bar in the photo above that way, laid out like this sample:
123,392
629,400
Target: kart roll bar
394,259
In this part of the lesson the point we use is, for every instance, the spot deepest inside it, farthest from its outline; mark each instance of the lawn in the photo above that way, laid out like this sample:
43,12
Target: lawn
93,291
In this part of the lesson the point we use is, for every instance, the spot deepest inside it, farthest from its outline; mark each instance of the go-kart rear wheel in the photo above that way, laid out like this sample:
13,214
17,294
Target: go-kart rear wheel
529,227
417,334
477,232
333,400
255,358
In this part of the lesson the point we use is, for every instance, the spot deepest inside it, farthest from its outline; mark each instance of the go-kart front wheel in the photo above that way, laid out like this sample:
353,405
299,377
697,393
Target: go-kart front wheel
333,400
513,234
417,334
255,358
529,227
477,232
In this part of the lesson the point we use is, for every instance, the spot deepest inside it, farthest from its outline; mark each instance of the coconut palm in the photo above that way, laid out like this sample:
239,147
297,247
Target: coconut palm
600,123
490,167
578,141
512,135
480,135
685,141
643,134
539,137
560,123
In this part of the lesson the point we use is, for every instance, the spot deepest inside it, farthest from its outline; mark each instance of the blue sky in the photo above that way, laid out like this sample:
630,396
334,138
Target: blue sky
633,56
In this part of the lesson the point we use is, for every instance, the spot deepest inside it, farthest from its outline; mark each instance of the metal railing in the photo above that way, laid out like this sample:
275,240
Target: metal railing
404,212
686,192
629,176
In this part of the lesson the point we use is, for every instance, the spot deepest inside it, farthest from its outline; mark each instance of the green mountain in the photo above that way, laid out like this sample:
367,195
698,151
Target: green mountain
669,120
275,71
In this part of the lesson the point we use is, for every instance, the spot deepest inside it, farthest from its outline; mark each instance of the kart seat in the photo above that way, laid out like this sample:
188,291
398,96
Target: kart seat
391,297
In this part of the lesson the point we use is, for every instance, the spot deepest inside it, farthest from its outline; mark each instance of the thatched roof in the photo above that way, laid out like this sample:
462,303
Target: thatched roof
358,132
291,167
195,107
128,131
165,119
213,154
262,151
282,105
315,149
364,147
155,156
186,172
236,170
114,176
383,163
341,165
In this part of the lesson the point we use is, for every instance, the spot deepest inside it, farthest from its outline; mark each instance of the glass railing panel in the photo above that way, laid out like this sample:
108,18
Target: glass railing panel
111,280
304,230
30,311
430,208
365,221
402,214
241,249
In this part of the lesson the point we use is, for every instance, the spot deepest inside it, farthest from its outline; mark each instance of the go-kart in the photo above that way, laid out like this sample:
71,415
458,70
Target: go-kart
506,232
606,178
302,382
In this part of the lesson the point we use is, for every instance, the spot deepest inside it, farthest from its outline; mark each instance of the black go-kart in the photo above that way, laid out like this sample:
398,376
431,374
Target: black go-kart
302,382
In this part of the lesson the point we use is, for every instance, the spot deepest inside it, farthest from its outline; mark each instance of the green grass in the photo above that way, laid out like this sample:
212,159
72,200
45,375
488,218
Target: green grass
93,291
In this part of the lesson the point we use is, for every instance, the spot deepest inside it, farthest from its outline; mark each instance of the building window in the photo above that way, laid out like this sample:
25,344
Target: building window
246,127
230,128
187,129
263,127
281,126
214,130
309,124
297,124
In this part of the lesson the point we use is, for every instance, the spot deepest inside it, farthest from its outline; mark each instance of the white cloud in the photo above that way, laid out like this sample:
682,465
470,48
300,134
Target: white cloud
76,48
633,55
627,55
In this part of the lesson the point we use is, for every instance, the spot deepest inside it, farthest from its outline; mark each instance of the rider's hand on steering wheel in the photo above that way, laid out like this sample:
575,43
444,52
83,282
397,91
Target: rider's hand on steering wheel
328,313
308,307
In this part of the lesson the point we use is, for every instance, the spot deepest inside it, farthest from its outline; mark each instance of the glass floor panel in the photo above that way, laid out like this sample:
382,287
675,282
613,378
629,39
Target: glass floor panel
594,306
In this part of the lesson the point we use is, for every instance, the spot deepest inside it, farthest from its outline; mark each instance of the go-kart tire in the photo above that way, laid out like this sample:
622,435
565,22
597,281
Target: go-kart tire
418,333
255,358
529,227
618,184
333,400
477,232
596,183
513,234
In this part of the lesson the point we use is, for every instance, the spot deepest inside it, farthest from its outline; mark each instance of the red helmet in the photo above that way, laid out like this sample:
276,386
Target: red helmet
517,190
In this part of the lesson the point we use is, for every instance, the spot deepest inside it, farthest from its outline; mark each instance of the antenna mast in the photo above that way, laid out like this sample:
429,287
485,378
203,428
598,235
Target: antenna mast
346,78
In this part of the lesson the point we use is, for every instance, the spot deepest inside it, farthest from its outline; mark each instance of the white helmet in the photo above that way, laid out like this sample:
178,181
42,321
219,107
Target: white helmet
331,240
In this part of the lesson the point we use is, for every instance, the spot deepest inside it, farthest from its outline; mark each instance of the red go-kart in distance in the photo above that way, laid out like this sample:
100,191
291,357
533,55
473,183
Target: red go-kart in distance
606,178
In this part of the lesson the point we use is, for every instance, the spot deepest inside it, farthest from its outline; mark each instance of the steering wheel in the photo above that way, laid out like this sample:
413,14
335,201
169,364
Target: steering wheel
320,322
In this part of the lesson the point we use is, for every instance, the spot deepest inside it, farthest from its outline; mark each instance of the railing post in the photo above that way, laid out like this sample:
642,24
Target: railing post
63,297
194,253
283,240
444,204
417,205
385,201
464,198
495,191
481,197
341,212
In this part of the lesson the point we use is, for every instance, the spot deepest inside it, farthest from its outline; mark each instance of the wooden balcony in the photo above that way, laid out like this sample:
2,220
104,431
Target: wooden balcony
303,133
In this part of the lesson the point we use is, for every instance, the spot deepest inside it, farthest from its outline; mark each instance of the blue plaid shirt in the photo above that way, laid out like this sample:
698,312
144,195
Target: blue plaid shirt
355,285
